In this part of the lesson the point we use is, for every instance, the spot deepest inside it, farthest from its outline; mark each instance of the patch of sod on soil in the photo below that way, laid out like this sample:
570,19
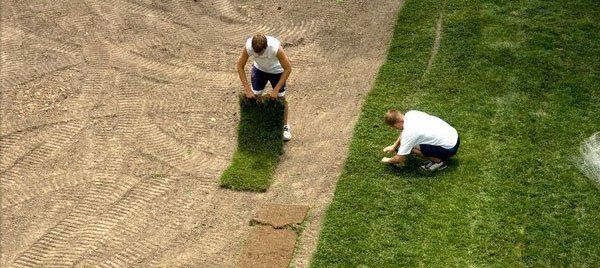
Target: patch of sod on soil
260,143
519,81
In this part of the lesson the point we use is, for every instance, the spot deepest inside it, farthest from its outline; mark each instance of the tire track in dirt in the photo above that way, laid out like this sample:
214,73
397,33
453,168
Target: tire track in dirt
125,257
37,122
24,178
16,71
306,55
14,34
198,131
17,179
139,8
55,247
134,203
63,22
58,247
176,212
168,217
169,151
153,141
73,236
16,147
111,19
48,247
44,250
16,75
285,31
167,72
228,12
188,33
214,239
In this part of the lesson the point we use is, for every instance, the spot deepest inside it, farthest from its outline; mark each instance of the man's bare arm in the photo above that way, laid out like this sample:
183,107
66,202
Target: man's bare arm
241,64
287,70
394,146
396,160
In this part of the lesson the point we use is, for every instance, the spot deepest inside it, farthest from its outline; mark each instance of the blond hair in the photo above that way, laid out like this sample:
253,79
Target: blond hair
392,117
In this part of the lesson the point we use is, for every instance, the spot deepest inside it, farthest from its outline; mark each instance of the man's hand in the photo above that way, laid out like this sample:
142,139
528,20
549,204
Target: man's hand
273,94
389,149
396,160
241,71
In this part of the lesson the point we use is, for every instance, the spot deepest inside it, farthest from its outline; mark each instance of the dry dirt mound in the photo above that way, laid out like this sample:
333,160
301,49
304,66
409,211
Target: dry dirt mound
118,116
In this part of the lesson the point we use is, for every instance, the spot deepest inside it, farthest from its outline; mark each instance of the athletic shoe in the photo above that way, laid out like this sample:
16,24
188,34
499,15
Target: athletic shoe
426,165
432,166
287,134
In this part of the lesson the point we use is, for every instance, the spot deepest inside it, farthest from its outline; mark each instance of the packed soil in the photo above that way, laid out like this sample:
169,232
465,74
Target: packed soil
118,117
267,247
281,216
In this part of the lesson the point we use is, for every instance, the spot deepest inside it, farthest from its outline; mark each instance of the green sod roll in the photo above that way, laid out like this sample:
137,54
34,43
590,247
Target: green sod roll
260,144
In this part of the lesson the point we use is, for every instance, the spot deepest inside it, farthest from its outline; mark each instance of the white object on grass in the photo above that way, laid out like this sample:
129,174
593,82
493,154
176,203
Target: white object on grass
589,163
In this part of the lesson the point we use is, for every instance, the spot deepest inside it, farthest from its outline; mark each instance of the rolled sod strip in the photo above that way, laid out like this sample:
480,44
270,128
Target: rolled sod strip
260,144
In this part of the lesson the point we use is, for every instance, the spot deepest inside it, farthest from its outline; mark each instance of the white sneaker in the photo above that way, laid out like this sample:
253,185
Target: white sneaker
432,166
287,134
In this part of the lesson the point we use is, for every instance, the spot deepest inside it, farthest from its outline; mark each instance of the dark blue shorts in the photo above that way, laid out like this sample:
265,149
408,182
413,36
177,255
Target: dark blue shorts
438,151
260,79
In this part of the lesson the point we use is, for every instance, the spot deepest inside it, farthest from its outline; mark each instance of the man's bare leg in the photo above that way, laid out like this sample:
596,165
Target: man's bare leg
285,112
287,135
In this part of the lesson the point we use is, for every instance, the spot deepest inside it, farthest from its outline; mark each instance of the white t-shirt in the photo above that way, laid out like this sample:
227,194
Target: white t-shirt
267,61
422,128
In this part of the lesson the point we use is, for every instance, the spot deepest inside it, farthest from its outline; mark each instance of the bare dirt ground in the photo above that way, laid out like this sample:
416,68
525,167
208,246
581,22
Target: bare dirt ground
118,116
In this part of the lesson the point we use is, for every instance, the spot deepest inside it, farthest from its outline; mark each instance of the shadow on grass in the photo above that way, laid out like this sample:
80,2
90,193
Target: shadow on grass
260,144
412,168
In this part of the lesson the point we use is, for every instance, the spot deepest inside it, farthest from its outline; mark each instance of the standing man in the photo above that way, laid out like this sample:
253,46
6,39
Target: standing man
423,135
272,65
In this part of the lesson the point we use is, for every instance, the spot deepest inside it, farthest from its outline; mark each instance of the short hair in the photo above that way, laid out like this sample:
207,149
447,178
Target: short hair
259,43
392,117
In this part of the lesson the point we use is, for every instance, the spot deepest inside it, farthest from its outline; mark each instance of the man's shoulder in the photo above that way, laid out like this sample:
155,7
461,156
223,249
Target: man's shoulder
414,113
248,45
272,38
273,42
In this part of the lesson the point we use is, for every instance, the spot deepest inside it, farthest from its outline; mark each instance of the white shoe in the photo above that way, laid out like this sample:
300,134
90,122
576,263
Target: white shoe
432,166
287,134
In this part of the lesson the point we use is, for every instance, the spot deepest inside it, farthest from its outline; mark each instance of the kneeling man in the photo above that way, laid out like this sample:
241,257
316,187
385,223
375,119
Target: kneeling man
422,135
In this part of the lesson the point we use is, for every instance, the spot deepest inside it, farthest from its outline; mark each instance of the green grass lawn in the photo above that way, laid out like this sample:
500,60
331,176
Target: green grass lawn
260,143
519,80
